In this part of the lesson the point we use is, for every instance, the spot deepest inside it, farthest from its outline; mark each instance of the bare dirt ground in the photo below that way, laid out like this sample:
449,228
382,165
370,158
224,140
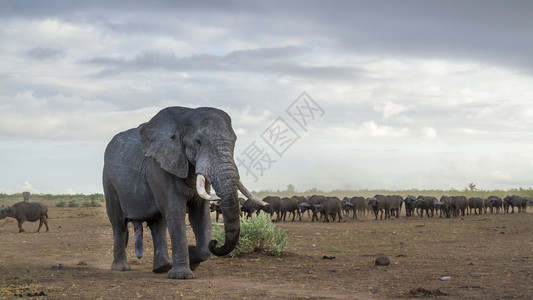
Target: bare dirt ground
485,257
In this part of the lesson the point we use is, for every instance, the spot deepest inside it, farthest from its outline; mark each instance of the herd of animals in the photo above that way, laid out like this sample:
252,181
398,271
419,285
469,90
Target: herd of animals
386,206
326,208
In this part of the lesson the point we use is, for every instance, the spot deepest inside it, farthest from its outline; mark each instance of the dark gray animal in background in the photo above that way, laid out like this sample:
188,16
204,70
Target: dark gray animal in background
25,211
348,207
439,208
161,169
290,205
379,204
459,204
311,203
446,206
410,205
425,203
475,203
355,205
306,207
487,205
274,206
515,201
395,205
302,201
360,204
249,207
331,207
215,207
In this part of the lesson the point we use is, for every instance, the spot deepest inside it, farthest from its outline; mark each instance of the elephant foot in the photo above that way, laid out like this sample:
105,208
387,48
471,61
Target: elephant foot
180,273
120,266
162,269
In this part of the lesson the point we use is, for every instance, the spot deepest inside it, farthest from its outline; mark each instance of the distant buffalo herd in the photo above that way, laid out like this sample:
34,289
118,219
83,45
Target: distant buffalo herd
386,206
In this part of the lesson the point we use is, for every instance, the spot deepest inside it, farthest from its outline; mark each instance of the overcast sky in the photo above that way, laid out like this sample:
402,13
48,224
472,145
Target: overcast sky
403,94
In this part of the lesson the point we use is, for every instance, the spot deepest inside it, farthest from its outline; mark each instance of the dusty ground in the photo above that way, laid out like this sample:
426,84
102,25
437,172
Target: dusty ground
486,257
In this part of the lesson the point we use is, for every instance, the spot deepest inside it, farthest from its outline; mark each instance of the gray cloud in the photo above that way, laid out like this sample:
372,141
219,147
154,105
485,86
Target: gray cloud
46,53
277,61
490,31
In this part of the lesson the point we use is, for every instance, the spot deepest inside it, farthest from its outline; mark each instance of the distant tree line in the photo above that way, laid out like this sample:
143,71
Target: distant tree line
469,191
45,197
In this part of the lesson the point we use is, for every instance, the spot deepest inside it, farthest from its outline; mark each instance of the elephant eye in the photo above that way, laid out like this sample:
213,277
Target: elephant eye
198,142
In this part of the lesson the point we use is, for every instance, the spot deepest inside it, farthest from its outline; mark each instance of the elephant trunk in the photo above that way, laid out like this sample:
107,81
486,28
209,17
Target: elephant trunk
225,184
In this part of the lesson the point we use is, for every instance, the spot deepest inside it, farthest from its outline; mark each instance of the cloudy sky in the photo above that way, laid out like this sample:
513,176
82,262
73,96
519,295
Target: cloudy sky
399,94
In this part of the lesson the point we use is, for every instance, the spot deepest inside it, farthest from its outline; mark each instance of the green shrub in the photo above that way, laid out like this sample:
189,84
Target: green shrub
92,203
61,204
257,235
73,203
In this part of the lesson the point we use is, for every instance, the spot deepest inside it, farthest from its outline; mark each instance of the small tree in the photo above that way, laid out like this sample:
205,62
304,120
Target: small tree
472,186
291,189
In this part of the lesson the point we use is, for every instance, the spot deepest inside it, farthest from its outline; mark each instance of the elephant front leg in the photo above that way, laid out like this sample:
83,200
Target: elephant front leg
200,220
178,238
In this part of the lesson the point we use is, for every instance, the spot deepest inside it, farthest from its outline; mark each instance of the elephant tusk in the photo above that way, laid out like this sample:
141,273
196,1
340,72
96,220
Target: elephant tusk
249,195
200,189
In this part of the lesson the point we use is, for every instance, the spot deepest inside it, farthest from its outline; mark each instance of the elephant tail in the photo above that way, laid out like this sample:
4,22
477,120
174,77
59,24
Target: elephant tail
138,238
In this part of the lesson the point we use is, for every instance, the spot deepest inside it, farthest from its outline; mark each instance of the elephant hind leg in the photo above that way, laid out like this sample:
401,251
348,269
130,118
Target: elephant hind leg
120,234
120,228
161,263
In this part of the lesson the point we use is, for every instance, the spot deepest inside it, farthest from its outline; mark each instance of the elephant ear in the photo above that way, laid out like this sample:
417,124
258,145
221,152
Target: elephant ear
161,139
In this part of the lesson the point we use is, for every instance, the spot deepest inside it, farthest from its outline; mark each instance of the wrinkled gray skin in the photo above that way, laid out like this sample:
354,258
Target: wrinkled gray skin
426,203
25,211
149,175
459,204
290,205
274,206
410,205
476,204
331,207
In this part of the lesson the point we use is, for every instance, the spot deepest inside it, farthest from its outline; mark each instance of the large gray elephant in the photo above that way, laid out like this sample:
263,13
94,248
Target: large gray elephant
158,171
